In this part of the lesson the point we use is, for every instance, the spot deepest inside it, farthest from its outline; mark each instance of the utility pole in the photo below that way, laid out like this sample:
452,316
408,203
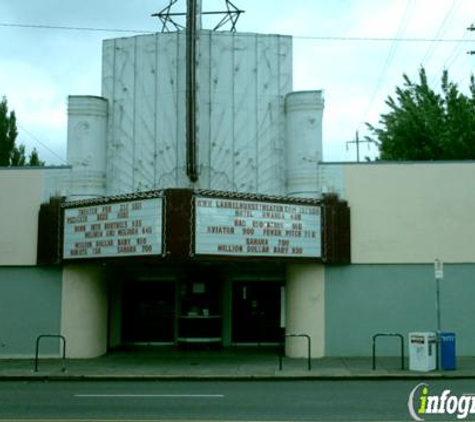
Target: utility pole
357,141
471,28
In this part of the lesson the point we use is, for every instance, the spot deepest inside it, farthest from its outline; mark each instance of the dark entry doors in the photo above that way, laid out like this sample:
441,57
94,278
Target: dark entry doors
148,312
256,312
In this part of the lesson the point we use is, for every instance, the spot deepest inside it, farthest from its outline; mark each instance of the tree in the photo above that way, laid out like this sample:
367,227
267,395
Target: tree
8,133
425,125
10,153
18,158
35,159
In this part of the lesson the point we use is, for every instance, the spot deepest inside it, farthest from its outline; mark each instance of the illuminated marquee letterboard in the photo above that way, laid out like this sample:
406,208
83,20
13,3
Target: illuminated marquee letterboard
248,228
131,228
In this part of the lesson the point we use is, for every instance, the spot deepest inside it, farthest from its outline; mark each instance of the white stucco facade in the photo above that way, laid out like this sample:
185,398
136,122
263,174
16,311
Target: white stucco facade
84,313
242,81
305,313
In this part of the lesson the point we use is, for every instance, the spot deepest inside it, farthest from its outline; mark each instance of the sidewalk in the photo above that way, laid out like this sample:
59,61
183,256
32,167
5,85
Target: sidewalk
247,363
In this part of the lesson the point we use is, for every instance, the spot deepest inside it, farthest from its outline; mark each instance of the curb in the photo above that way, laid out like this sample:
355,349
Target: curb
238,377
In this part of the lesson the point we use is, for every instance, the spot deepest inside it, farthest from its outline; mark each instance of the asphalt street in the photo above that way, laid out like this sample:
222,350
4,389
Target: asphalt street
215,400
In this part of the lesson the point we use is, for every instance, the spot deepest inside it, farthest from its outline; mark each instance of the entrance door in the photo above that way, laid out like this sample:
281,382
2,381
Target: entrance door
148,312
256,312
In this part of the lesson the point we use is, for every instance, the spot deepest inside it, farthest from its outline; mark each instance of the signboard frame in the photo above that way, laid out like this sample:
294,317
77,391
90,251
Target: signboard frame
260,201
109,203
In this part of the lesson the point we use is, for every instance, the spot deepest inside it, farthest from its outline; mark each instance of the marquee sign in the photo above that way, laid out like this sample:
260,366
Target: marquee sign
248,228
132,228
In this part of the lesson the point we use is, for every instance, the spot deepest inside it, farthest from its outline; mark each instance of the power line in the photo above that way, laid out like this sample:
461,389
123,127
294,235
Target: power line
41,143
73,28
453,57
298,37
440,31
380,39
402,26
449,62
456,52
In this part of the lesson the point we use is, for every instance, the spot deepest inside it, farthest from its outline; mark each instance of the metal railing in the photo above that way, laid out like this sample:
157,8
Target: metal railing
376,336
58,336
309,349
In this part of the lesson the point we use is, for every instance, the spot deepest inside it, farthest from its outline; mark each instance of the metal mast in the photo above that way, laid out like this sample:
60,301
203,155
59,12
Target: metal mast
171,20
191,146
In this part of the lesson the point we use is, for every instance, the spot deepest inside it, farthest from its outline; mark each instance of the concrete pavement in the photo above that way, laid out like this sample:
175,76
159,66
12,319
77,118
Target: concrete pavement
233,363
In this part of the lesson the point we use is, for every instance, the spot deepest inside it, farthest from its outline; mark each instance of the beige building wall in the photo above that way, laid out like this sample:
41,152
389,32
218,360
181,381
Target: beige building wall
411,213
24,189
305,313
84,310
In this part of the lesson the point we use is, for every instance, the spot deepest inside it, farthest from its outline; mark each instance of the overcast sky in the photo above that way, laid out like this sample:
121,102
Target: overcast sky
355,50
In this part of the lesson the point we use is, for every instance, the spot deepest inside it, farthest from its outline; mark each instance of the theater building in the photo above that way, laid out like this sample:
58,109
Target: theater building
235,239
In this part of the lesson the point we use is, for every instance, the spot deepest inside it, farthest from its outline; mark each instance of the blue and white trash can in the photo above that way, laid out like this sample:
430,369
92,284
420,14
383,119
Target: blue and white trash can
447,351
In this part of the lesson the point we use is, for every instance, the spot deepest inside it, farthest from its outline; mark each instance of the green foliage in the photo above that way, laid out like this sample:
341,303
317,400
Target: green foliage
10,153
18,158
35,159
425,125
8,133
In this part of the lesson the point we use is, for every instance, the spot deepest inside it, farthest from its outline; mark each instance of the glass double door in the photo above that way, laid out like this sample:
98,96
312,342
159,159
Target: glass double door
185,311
256,312
148,312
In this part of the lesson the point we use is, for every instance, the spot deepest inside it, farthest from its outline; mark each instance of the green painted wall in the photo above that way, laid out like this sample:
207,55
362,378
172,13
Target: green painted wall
30,305
361,300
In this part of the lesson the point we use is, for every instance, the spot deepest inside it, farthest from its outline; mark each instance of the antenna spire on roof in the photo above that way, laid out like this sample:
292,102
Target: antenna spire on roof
174,20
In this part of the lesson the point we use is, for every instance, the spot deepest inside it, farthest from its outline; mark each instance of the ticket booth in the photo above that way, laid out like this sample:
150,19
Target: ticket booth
200,316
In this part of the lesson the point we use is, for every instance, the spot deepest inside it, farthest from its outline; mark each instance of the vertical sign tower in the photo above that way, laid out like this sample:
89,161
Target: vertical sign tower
193,15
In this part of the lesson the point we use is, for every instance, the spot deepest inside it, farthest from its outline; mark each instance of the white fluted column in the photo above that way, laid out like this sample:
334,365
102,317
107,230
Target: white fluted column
87,130
304,114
